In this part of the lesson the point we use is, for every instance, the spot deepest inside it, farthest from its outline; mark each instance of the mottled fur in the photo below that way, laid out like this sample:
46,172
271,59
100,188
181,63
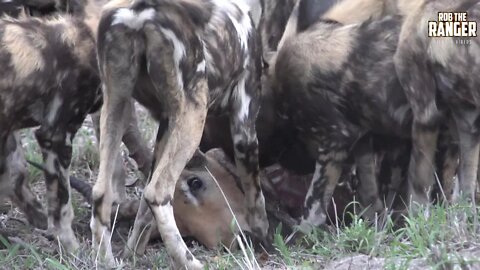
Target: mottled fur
49,79
436,74
161,53
334,89
14,183
275,14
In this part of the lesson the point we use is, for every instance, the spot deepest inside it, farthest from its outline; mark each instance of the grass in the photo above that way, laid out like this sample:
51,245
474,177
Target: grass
446,238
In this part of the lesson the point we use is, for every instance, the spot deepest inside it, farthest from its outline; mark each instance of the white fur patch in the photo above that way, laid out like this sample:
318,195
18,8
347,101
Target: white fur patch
243,98
132,19
68,139
201,66
171,236
237,138
313,219
7,1
104,244
255,7
210,65
243,27
178,52
52,114
50,162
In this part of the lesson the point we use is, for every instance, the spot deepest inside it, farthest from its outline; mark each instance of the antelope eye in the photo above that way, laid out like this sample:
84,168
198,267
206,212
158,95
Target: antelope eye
194,184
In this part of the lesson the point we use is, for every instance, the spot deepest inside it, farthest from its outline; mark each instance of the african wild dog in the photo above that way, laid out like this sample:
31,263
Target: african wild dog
335,85
438,75
160,53
132,137
277,142
49,79
272,148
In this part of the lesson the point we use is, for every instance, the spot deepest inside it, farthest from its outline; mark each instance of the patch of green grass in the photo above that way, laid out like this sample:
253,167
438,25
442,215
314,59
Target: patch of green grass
281,246
446,238
85,150
439,237
32,152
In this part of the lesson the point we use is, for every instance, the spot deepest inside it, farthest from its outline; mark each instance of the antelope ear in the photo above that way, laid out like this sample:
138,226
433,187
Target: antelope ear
219,157
198,161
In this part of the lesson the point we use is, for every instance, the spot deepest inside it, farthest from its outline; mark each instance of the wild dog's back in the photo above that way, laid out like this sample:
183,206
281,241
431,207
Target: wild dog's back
31,51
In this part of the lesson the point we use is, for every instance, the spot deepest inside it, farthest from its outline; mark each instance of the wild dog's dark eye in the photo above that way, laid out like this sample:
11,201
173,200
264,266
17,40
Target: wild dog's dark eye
194,184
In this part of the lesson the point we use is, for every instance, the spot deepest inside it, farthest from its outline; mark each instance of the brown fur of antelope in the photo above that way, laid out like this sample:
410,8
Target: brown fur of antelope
200,208
180,41
436,75
49,79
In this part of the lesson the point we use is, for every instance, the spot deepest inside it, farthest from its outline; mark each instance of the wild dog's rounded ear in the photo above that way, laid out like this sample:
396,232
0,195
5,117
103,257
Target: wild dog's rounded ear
199,11
198,161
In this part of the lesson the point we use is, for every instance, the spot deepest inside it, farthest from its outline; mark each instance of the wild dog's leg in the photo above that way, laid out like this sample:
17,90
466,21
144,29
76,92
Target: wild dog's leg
242,125
137,147
142,229
119,172
422,164
328,169
448,171
119,78
420,89
468,128
393,172
178,137
368,189
179,142
144,221
22,196
3,151
135,144
56,144
447,162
